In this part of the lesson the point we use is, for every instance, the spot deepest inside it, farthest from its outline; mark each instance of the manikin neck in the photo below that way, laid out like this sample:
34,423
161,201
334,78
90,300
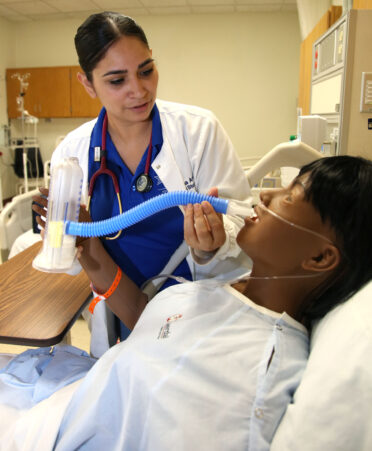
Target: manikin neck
281,295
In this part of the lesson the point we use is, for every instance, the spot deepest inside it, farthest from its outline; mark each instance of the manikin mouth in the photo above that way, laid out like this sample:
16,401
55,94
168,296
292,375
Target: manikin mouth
252,219
255,217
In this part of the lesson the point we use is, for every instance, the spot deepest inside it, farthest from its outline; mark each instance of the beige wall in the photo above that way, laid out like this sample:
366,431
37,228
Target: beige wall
5,61
243,66
7,176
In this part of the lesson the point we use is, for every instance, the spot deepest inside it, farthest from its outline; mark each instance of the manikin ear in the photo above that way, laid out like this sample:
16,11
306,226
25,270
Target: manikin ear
88,86
328,257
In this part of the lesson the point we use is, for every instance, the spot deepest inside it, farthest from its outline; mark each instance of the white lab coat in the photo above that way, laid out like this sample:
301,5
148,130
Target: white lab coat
196,151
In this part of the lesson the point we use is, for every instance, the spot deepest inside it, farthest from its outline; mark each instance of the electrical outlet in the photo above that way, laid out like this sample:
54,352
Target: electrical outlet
366,94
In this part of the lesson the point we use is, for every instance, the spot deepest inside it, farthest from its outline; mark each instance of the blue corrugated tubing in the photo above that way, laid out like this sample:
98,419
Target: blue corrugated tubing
142,211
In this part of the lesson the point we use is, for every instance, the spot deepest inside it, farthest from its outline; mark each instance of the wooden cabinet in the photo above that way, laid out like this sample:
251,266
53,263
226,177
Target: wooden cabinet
53,92
362,4
82,105
47,94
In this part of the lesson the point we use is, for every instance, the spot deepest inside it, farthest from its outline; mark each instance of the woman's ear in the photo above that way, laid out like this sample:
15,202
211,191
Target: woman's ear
327,258
88,86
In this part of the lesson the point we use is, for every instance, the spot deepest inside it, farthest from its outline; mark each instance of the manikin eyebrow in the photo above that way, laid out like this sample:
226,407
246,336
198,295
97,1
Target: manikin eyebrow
299,182
125,71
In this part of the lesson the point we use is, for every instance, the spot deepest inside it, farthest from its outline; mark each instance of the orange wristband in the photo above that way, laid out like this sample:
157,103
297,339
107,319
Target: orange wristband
108,293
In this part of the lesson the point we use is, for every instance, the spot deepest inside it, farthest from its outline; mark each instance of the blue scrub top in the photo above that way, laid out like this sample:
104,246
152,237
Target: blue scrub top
142,250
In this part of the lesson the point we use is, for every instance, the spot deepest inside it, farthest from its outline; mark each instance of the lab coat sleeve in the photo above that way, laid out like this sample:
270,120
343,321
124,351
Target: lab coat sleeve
332,405
217,165
76,144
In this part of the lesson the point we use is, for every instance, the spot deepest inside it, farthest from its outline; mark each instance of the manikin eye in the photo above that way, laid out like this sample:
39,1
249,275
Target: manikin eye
289,197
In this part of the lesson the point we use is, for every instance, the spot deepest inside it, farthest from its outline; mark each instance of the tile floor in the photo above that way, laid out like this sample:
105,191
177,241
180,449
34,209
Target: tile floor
80,337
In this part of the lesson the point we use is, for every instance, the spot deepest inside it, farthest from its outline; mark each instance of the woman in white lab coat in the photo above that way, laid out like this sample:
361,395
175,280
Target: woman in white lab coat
152,147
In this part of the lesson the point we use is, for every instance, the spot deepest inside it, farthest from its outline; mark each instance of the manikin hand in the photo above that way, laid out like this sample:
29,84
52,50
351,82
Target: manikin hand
203,227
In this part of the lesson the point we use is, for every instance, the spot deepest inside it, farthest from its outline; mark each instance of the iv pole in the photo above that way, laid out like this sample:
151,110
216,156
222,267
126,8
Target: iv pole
25,117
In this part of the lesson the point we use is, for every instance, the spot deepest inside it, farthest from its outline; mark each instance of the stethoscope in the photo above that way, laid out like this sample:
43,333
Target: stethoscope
143,182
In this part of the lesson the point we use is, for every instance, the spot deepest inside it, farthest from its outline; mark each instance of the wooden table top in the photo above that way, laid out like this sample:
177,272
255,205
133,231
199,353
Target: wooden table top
38,308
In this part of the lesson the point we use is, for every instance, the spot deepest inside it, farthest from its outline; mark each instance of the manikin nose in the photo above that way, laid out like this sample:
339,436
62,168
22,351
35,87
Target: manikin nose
266,196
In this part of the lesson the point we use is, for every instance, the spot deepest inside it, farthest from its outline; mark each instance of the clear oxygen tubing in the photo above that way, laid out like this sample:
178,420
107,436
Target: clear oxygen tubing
155,205
292,224
180,279
250,277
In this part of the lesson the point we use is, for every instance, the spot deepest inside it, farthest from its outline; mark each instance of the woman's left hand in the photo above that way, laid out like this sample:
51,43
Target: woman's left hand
203,227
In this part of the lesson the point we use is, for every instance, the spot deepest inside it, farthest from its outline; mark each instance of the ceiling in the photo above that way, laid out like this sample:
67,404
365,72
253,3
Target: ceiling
35,10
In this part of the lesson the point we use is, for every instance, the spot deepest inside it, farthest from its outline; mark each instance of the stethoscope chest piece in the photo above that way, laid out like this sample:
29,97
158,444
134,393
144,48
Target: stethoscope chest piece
143,183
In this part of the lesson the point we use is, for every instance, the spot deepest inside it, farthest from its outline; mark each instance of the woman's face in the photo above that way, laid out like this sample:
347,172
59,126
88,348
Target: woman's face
269,240
126,79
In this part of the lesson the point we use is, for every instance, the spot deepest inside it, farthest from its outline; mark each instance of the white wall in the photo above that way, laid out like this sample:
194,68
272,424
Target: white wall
244,67
311,11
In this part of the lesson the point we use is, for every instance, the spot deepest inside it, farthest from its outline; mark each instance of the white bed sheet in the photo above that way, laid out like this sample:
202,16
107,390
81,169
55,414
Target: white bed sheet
35,428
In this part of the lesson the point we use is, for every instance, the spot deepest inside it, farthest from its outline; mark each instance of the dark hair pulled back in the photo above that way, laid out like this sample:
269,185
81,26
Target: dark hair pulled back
340,188
98,32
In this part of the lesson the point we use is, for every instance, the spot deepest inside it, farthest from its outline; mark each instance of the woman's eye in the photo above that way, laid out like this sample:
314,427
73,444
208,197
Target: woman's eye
117,81
147,72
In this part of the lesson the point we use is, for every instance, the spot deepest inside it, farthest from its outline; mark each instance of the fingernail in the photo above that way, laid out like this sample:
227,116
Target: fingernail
206,207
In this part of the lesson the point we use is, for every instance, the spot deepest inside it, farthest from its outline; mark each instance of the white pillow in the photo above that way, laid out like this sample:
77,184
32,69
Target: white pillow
332,407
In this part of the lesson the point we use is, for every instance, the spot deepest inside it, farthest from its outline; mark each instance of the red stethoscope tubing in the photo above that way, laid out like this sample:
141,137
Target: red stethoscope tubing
149,155
104,170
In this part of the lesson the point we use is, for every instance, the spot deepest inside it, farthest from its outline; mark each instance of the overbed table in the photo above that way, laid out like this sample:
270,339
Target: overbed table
37,308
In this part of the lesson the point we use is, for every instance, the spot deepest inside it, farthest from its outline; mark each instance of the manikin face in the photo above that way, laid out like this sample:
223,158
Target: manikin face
125,80
276,244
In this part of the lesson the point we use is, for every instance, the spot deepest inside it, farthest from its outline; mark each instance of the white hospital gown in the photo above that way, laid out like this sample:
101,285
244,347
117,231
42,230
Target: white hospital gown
204,368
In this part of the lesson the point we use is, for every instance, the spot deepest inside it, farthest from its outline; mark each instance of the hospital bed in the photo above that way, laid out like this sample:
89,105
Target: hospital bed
15,219
16,231
338,370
